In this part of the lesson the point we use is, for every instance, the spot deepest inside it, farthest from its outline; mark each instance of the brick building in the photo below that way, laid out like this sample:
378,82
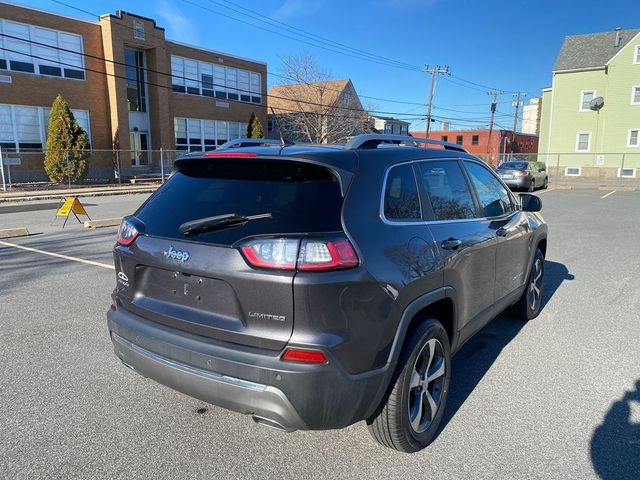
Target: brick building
129,87
478,142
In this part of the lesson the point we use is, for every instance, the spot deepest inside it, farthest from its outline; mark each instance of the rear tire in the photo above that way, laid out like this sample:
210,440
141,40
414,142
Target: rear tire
546,183
532,186
530,304
409,419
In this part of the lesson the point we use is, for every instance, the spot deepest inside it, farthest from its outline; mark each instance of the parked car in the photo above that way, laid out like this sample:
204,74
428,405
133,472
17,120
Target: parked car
313,287
524,174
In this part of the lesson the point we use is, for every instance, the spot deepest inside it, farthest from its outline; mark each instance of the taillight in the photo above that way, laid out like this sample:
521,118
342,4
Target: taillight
303,255
114,304
329,255
304,356
127,233
278,253
522,174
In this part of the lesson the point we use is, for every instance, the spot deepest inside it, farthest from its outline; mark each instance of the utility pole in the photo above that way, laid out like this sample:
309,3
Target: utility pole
494,103
516,103
436,69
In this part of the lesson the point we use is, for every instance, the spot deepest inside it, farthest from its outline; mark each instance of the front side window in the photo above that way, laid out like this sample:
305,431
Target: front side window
585,100
401,200
448,190
583,141
494,198
633,139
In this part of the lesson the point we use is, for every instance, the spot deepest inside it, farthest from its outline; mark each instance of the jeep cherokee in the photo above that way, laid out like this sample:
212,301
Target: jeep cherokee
315,286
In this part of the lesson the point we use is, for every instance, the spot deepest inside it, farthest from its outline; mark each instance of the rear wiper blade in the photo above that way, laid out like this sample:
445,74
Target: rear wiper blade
218,222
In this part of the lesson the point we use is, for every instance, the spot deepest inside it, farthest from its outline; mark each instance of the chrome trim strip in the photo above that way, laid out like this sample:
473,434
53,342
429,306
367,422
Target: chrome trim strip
187,368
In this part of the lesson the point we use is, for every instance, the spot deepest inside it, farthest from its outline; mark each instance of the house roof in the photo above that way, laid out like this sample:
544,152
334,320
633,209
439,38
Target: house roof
390,119
287,98
590,50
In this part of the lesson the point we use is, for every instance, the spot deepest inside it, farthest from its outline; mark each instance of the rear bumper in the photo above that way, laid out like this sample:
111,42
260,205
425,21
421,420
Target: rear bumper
288,395
521,182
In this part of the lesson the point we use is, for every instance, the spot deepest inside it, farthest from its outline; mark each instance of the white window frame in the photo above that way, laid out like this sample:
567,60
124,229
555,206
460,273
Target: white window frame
636,55
629,144
234,130
633,175
38,62
567,174
219,85
41,113
578,142
633,94
582,92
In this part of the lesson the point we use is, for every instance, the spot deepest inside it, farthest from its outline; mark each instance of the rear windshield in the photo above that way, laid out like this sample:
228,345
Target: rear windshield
301,198
513,166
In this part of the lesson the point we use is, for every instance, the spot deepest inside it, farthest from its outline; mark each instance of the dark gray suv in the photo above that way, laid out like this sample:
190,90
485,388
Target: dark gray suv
313,287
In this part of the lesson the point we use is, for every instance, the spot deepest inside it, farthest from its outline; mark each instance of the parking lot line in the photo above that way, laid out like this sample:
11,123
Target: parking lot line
543,191
610,193
58,255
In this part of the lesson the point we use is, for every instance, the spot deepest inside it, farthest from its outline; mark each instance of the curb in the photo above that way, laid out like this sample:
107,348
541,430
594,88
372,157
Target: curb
14,232
106,222
57,196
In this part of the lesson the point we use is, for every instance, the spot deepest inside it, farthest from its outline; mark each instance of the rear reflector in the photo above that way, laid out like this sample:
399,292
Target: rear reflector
229,155
114,304
303,356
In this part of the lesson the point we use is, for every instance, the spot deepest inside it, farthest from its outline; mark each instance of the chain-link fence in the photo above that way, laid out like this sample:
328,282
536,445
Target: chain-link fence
25,168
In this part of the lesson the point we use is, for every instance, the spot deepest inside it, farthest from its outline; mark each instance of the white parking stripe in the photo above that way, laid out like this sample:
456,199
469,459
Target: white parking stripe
543,191
610,193
58,255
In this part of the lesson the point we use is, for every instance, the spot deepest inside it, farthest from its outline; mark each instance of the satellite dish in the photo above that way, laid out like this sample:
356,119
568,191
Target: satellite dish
596,104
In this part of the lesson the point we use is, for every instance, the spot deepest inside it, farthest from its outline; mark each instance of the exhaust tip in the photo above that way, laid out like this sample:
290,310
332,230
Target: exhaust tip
268,422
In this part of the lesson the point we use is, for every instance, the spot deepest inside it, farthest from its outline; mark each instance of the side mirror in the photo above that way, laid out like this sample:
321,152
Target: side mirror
530,203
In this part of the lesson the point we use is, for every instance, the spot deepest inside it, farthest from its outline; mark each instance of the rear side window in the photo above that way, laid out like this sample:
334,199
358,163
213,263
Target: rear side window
301,198
494,198
401,200
448,190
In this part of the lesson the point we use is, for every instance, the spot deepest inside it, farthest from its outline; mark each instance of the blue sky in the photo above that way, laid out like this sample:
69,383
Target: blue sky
507,45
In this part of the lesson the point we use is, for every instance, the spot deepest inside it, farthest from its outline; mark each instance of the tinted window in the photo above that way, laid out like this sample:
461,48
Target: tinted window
513,166
301,198
448,191
493,197
401,200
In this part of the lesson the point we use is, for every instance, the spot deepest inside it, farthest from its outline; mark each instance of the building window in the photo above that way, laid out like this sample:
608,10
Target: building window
459,139
138,30
211,80
42,51
134,72
635,95
633,138
444,138
585,99
475,139
583,141
636,58
24,127
196,135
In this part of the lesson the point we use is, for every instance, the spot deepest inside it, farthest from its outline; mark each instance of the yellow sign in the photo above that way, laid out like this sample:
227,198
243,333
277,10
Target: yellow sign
71,204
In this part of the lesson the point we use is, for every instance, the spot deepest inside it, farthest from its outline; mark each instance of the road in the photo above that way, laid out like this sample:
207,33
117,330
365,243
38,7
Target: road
554,398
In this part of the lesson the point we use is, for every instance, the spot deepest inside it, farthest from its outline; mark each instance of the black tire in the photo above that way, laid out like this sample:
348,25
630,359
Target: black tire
526,308
545,185
532,186
391,426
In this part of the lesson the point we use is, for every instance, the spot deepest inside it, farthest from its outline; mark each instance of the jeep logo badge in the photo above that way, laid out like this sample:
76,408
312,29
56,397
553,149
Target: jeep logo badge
173,254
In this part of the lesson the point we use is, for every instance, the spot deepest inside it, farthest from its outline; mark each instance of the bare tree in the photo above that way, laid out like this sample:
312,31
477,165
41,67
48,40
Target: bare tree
310,106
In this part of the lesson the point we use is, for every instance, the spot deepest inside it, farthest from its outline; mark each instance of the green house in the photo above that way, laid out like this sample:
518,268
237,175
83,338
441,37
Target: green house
590,122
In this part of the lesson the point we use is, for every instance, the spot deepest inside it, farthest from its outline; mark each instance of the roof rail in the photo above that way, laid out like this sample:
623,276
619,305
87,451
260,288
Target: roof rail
372,140
250,142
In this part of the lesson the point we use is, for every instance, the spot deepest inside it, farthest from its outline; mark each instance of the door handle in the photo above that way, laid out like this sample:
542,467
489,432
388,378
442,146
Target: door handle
502,232
451,244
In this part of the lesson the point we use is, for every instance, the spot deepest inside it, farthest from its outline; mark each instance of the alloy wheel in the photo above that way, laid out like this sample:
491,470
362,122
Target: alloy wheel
426,385
535,286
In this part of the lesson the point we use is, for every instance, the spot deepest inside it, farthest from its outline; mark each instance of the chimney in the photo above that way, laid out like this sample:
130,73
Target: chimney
617,44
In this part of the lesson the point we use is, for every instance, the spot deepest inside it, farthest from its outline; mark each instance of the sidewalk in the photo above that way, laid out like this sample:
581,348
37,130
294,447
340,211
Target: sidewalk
54,193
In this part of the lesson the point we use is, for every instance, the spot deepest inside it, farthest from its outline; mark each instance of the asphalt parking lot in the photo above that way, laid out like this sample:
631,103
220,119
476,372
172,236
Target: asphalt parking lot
558,397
